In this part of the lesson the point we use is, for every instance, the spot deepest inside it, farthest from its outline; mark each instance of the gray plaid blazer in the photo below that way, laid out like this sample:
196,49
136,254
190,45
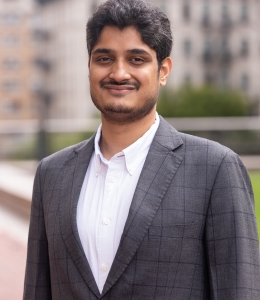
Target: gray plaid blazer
190,233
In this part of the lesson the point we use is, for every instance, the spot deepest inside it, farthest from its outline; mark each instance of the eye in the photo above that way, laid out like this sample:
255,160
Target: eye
137,60
104,60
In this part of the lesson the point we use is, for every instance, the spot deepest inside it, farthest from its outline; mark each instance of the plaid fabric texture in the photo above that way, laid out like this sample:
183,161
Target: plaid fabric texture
190,233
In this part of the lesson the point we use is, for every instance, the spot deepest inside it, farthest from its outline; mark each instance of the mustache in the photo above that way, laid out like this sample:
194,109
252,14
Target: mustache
103,83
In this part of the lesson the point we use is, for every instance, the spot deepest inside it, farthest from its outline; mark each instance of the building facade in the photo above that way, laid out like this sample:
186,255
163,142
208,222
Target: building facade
17,100
62,58
217,42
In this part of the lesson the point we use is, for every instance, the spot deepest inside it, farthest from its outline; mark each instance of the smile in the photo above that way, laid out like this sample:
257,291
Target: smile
119,89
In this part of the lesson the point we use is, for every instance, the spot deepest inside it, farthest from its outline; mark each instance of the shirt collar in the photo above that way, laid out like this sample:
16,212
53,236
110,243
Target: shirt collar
134,154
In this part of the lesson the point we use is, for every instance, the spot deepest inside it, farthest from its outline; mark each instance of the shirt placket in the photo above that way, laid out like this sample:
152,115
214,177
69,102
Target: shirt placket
106,221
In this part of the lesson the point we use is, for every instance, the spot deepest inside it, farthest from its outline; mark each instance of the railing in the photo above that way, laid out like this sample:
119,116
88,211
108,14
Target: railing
91,125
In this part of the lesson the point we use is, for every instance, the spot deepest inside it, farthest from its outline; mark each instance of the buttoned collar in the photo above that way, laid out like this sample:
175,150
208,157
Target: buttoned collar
133,154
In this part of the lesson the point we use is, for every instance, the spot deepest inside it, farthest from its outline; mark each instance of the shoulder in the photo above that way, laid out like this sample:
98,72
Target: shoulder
207,150
58,159
197,144
195,150
221,166
190,146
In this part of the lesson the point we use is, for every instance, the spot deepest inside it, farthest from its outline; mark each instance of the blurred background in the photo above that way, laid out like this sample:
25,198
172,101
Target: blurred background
213,92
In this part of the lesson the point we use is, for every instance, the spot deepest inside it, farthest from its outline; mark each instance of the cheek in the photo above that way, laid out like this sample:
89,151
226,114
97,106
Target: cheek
95,75
149,77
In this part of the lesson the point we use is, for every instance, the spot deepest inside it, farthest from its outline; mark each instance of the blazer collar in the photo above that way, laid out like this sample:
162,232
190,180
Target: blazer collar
73,174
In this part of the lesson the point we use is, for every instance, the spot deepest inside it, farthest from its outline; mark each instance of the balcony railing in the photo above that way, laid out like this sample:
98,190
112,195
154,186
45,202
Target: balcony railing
224,57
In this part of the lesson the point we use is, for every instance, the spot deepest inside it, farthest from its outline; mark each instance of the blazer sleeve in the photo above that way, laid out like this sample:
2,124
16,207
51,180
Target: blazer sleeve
231,234
37,276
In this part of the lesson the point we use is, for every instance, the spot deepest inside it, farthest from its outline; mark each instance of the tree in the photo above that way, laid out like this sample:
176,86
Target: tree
206,101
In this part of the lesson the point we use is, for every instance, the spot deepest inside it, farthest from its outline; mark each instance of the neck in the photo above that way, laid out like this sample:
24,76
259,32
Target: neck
116,138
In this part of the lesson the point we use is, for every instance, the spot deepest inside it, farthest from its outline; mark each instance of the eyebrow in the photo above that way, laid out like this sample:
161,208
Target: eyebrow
132,51
138,51
102,51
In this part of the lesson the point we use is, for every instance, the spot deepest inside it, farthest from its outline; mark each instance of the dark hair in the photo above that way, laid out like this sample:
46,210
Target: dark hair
149,20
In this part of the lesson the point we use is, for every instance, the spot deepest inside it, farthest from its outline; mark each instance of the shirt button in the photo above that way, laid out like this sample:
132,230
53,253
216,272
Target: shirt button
113,179
106,221
105,268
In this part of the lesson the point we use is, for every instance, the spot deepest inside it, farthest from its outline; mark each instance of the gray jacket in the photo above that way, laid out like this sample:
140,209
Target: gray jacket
190,233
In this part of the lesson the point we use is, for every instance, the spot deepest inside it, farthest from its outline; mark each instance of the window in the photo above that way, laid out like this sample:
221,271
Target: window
36,85
10,18
10,63
186,11
10,40
209,79
206,14
187,48
244,11
207,50
224,79
207,45
244,48
11,107
244,82
187,79
225,15
224,45
11,85
40,35
225,51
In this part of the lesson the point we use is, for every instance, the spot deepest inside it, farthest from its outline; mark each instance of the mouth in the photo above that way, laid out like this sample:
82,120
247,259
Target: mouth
119,89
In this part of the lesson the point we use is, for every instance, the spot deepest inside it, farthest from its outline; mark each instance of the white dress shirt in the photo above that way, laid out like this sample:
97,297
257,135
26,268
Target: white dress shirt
105,199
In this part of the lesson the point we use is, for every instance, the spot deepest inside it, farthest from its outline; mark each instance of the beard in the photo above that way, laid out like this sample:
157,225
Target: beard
122,114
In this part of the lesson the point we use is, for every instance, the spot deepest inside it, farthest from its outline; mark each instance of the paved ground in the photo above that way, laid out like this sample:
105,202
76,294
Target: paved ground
13,237
12,266
16,180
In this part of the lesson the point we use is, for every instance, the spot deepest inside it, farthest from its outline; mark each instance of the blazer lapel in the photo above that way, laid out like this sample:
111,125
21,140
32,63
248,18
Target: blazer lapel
159,169
73,176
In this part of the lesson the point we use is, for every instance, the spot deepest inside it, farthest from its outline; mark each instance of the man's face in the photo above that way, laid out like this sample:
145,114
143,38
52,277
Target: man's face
123,74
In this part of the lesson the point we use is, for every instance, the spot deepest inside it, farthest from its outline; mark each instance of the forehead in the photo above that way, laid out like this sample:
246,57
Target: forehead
124,39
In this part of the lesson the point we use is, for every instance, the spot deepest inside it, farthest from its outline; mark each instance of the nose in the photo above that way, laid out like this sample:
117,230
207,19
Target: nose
119,71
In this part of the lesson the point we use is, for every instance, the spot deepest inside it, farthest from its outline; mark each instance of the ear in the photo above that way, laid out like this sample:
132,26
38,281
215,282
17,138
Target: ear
165,70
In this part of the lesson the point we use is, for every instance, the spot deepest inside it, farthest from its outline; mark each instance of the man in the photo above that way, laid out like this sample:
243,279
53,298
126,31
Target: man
139,211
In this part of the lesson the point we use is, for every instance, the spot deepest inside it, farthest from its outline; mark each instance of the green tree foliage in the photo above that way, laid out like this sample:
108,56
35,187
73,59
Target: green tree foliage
206,101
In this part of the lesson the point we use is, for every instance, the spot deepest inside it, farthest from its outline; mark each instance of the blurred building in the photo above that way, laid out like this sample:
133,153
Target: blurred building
215,41
16,56
62,57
